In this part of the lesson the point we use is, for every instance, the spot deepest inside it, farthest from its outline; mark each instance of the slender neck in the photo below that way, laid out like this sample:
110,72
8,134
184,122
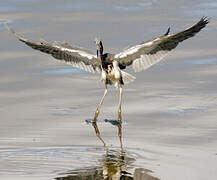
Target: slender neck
100,49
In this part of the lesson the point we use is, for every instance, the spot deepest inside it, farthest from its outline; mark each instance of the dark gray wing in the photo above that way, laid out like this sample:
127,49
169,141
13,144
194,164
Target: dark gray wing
148,53
77,57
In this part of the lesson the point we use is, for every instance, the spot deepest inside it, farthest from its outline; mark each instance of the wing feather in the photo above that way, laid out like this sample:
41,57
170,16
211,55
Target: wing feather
77,57
148,53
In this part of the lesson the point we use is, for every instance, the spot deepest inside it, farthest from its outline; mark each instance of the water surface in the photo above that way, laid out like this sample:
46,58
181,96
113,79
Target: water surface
169,112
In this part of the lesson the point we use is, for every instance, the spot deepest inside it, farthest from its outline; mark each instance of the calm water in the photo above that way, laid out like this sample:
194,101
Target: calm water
169,112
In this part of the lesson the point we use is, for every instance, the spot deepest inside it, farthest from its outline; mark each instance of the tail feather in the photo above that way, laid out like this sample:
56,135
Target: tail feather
127,78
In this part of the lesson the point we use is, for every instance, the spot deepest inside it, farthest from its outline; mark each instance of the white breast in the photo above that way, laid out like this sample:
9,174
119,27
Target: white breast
117,72
103,75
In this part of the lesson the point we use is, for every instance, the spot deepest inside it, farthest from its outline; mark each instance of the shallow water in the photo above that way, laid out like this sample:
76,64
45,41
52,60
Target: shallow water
169,112
74,162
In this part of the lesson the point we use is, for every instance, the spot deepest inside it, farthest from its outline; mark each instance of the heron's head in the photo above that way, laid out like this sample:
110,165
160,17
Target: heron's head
98,42
99,47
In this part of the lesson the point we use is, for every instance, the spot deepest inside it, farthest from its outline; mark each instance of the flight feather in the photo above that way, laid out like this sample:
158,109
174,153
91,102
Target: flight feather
76,56
148,53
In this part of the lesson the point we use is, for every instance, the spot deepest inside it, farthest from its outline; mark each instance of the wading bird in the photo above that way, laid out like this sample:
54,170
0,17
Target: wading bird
111,66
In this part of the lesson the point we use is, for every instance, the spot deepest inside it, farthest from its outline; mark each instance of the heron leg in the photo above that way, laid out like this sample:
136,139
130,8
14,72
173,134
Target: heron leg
120,118
99,105
119,105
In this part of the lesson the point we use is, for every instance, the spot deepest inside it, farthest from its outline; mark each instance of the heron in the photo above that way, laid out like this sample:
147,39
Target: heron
111,66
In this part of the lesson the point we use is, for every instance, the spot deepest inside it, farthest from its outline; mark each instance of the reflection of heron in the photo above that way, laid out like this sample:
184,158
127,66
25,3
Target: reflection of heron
119,125
141,56
115,165
97,174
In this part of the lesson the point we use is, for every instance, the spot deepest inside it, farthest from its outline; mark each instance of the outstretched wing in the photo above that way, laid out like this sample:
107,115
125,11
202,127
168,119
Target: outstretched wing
148,53
77,57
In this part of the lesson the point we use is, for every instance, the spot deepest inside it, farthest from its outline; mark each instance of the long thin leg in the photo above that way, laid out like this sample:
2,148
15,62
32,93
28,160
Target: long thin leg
119,105
99,105
120,118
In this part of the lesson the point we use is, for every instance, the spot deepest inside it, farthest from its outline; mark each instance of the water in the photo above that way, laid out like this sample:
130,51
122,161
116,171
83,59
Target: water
169,111
74,162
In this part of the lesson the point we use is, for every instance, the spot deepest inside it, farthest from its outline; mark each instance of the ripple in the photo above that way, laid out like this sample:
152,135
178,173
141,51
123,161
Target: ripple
64,111
69,161
48,160
186,111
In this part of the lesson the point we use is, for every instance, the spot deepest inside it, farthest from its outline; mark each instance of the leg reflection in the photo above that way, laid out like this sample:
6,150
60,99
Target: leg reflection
119,126
120,135
98,133
115,164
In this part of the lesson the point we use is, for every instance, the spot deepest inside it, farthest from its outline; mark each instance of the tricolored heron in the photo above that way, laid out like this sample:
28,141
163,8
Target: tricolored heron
141,57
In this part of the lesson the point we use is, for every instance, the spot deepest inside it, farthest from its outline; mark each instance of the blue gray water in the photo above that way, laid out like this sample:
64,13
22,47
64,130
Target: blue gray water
169,111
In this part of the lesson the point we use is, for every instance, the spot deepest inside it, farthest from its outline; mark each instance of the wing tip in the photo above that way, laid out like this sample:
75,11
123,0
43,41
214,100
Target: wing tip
11,31
204,21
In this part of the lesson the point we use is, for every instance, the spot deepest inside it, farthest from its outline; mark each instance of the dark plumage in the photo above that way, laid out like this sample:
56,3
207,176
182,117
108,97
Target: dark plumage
168,31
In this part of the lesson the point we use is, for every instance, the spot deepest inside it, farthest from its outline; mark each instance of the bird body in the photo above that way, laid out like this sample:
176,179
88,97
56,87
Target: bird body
112,75
111,69
141,57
